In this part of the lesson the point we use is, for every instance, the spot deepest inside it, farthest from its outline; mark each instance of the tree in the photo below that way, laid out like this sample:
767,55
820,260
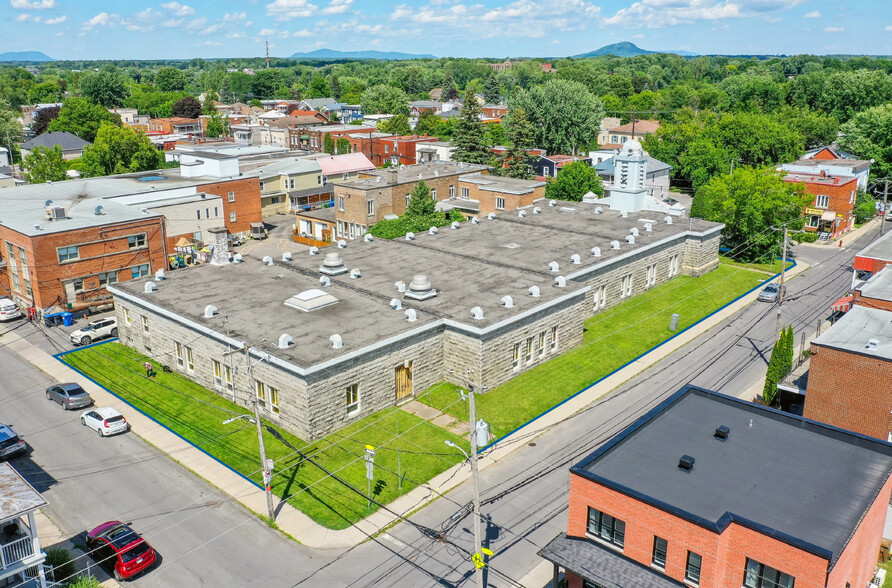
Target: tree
449,90
398,125
116,151
869,136
43,119
420,201
83,118
573,182
750,202
208,106
107,88
467,138
217,126
492,94
319,88
865,207
816,128
428,123
10,128
343,145
170,79
335,86
45,164
566,116
45,92
521,139
384,99
328,144
255,103
772,377
188,107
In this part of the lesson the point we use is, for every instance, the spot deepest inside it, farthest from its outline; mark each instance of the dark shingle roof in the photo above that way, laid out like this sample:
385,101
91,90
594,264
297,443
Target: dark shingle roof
63,139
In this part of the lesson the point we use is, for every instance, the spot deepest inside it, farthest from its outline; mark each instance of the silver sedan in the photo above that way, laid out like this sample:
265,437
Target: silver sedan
70,396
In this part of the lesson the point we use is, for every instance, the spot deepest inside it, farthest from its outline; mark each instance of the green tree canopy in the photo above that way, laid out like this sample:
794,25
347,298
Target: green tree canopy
170,79
573,182
384,99
420,201
188,107
81,117
208,106
319,88
468,136
450,92
328,144
398,125
10,128
491,91
45,164
118,150
566,116
428,123
752,203
521,139
107,88
869,136
343,145
217,126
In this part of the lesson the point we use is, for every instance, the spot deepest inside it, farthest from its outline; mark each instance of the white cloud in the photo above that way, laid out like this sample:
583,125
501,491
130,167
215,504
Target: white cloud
179,9
337,7
235,16
812,14
834,30
288,9
303,33
22,17
889,28
103,19
33,4
211,29
660,13
196,23
772,19
235,36
212,44
273,34
174,22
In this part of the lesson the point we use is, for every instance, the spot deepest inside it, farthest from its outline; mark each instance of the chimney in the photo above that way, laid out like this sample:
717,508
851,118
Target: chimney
392,176
219,245
823,173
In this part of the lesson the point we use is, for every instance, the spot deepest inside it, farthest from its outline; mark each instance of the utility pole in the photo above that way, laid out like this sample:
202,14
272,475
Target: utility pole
267,53
780,290
885,204
475,484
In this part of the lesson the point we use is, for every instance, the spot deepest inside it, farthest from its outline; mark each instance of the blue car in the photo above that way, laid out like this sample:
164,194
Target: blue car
10,443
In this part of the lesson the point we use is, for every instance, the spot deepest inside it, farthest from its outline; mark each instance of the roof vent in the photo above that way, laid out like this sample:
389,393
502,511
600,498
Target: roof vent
507,301
633,231
623,214
267,260
410,236
475,220
648,227
552,203
491,215
285,341
432,231
521,213
314,251
150,287
210,311
686,463
534,291
575,259
98,210
355,273
55,212
598,210
48,203
336,341
237,258
342,244
286,256
596,251
396,304
333,265
400,286
630,239
159,275
668,220
325,281
477,313
455,224
36,227
560,281
310,300
553,266
536,210
872,344
411,315
614,244
721,433
368,238
420,288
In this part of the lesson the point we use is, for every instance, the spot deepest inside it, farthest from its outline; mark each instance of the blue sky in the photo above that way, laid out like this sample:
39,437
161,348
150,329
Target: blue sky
137,29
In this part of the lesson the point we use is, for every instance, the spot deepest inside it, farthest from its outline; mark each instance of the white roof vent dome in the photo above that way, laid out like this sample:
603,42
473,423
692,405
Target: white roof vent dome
420,288
333,264
632,147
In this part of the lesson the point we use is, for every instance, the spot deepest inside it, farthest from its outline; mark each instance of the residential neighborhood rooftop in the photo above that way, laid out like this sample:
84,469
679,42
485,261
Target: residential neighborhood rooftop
817,178
879,286
853,165
867,331
67,141
801,481
290,165
17,496
412,173
345,163
502,183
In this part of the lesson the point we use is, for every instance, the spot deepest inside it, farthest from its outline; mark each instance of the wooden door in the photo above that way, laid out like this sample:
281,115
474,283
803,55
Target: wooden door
403,381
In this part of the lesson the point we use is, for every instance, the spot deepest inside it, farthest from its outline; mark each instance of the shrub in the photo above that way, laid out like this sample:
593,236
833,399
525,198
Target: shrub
61,562
807,237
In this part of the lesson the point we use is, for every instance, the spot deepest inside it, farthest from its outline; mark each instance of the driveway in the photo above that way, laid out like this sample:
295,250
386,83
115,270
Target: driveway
278,242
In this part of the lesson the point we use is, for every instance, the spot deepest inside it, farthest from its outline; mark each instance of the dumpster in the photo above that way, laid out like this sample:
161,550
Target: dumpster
67,319
53,320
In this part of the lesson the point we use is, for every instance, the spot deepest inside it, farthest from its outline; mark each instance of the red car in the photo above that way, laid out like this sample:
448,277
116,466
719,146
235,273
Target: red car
116,543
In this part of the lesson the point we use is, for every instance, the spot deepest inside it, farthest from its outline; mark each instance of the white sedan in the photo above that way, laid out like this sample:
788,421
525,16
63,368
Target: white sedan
105,421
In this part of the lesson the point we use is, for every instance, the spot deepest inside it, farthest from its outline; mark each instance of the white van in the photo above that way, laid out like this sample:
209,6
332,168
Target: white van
8,310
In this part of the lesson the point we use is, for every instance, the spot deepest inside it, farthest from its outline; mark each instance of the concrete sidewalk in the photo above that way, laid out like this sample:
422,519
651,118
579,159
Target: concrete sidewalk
297,524
52,537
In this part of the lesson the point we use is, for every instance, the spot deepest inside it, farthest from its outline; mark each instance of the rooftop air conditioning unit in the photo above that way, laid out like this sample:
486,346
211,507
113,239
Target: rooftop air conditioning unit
55,212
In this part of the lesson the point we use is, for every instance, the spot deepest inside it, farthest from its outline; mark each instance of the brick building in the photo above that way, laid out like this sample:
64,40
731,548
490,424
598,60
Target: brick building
875,256
400,150
833,209
313,138
369,325
711,491
482,194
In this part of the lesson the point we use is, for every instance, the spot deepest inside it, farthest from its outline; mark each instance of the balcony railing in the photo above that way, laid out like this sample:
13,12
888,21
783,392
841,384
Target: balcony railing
15,551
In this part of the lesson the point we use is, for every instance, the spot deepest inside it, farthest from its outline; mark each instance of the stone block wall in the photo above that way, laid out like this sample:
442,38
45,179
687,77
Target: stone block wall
701,254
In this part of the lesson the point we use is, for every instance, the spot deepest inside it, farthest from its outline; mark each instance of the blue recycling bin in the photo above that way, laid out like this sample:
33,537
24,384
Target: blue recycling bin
67,319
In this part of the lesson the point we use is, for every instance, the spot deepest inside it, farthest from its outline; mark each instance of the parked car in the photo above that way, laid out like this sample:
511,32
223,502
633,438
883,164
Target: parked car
770,293
8,310
116,545
95,330
105,421
70,396
10,443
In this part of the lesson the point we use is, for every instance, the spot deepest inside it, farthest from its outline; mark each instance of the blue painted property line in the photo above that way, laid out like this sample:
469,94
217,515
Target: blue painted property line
655,347
58,356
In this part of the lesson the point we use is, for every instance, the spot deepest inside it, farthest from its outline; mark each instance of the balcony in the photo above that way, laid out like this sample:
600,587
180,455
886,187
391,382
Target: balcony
16,551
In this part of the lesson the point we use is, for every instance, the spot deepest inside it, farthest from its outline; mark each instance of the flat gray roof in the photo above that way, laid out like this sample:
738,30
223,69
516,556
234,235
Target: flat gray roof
412,173
326,214
856,328
879,286
800,481
504,184
17,496
879,249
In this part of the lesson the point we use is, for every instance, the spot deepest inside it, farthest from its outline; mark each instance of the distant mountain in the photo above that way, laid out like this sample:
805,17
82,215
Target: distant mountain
384,55
25,56
627,49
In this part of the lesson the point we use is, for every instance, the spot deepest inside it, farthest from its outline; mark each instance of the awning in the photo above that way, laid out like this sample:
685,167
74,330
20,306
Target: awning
844,304
183,242
304,137
828,215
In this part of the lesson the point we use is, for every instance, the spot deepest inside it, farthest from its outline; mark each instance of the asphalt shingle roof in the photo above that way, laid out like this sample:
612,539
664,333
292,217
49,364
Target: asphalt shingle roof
67,141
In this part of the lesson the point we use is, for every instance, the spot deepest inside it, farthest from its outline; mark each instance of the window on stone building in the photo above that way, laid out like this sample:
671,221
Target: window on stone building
529,350
190,362
627,286
600,297
352,399
68,253
260,387
181,354
554,338
673,266
341,203
145,324
227,374
452,191
434,195
541,343
466,193
516,356
761,576
500,204
370,207
651,277
127,316
274,399
692,568
606,527
218,374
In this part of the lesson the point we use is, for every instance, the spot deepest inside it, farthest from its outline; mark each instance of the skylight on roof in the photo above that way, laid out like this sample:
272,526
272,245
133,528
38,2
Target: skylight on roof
311,300
151,178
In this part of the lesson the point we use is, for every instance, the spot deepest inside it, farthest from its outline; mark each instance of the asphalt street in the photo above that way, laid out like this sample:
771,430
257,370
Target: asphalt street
524,497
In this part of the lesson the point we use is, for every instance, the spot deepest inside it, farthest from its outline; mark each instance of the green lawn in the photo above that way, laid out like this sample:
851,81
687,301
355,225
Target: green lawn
611,339
771,268
197,414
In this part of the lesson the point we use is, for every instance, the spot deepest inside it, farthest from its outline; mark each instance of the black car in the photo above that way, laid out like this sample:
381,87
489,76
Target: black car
10,443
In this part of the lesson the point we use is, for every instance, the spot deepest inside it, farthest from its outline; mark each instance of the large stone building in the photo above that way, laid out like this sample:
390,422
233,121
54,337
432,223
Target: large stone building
335,337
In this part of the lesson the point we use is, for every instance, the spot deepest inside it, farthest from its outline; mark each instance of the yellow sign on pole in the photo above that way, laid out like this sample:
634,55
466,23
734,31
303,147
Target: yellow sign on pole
477,558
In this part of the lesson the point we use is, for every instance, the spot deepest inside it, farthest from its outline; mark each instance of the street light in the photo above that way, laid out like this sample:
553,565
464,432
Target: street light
265,464
453,445
248,417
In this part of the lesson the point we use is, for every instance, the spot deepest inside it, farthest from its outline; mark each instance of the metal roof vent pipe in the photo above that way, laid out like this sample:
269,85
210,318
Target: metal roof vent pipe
159,275
575,259
400,286
368,238
285,341
596,251
333,265
237,258
534,291
872,344
336,341
475,220
633,231
623,214
210,311
560,281
477,313
355,273
396,304
491,215
552,203
721,433
342,244
314,251
507,302
598,210
536,210
411,315
432,231
553,266
686,463
98,211
150,287
630,239
455,224
410,236
286,256
420,288
648,227
325,281
667,220
267,260
521,213
614,244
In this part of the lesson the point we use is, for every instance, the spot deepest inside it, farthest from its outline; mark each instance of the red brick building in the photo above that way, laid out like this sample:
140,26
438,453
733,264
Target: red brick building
712,491
313,138
833,209
875,256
